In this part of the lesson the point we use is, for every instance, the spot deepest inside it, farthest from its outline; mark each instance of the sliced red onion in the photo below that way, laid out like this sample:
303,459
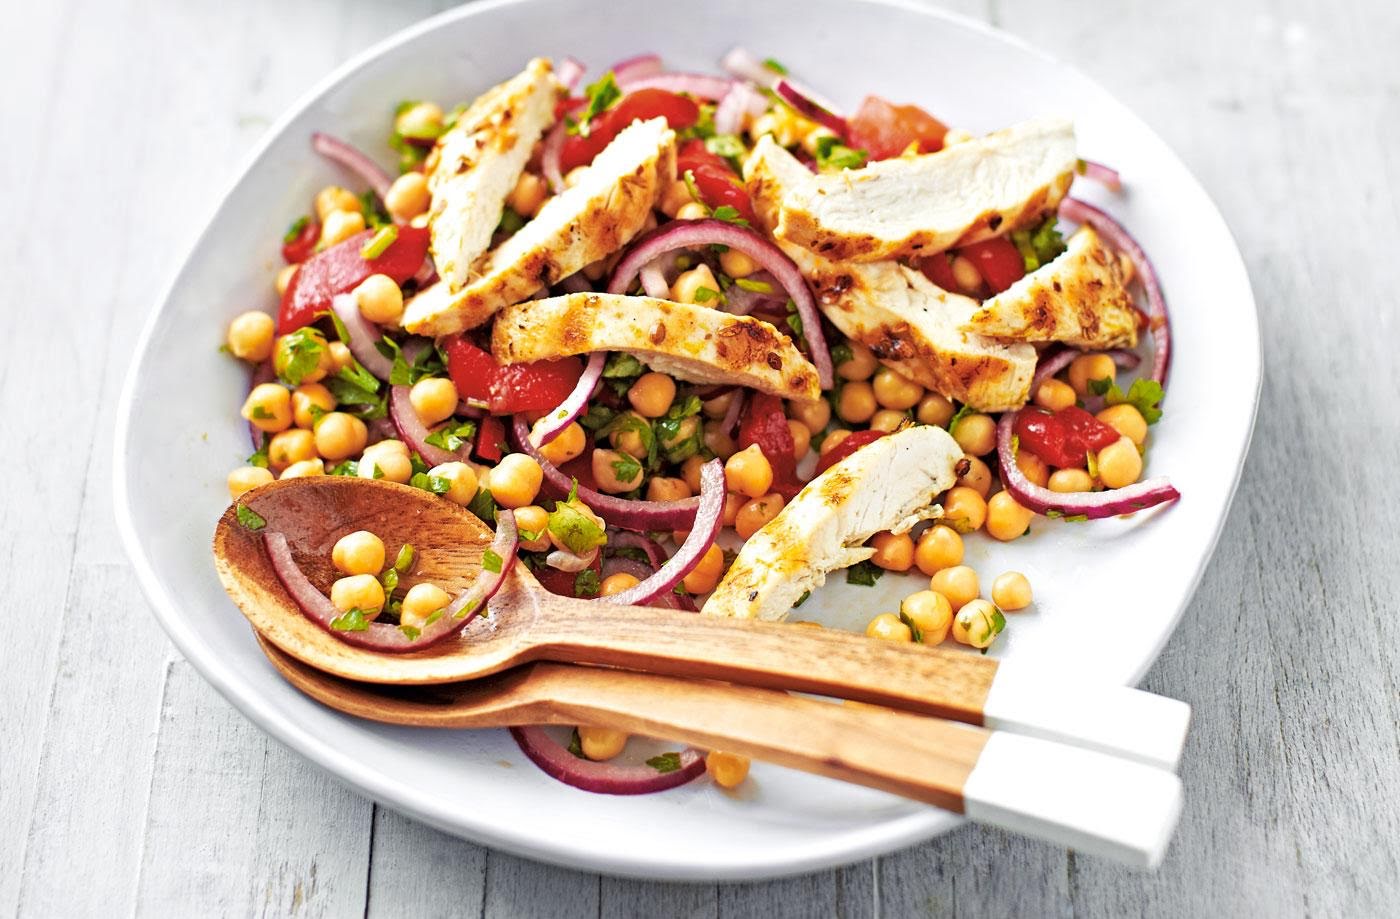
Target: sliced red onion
1052,363
700,85
1101,174
385,636
342,154
641,571
644,516
576,283
427,273
809,107
1159,322
631,69
415,433
730,422
262,373
554,423
709,518
363,334
470,410
616,565
688,234
568,561
744,64
654,280
570,70
625,539
1091,504
549,156
741,100
380,429
741,302
602,778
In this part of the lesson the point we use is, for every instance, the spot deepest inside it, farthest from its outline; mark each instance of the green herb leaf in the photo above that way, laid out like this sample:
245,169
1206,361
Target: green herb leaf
1143,395
373,212
621,365
666,762
832,154
433,483
841,353
758,287
249,519
865,573
962,413
295,229
260,458
802,599
577,530
774,66
260,413
586,583
626,468
484,506
298,355
491,561
511,222
379,242
451,437
706,294
353,620
1100,387
576,744
1039,245
410,632
601,96
389,580
597,416
916,633
1091,461
729,214
404,560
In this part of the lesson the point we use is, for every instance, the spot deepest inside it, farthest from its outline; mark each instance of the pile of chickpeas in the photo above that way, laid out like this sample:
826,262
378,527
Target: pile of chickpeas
359,556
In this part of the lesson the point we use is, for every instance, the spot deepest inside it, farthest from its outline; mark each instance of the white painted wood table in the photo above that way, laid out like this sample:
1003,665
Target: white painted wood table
127,786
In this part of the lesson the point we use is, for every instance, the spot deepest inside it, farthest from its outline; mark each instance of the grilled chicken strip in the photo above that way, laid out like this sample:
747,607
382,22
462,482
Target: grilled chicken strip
598,215
918,205
689,342
1080,298
474,166
881,486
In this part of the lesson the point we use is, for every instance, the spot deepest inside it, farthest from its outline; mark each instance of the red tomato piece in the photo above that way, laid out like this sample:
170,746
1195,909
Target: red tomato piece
680,113
765,424
938,268
884,129
471,368
513,387
845,448
998,260
716,182
341,268
1062,439
300,247
490,438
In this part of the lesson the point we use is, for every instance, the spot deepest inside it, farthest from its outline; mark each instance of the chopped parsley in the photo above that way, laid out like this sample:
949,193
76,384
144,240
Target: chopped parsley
597,416
730,147
1143,395
706,294
259,458
841,353
916,633
757,287
410,632
622,365
626,468
1040,244
484,506
962,413
295,229
260,413
511,222
729,214
864,574
298,355
575,528
601,96
774,66
377,244
355,386
353,620
678,437
832,154
345,467
374,213
586,583
665,762
404,560
802,599
436,484
576,744
451,437
491,561
249,519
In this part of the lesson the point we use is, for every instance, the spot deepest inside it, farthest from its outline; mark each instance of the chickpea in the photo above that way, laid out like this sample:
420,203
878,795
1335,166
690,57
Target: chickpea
340,355
421,601
966,274
707,572
833,439
1032,467
934,409
978,477
889,627
516,480
748,472
675,197
333,198
693,211
339,226
529,194
663,488
964,509
1011,591
358,591
815,415
931,613
246,478
533,519
719,405
893,551
268,407
1054,395
360,552
732,503
379,299
1088,367
717,441
801,438
573,177
601,743
856,403
861,365
339,436
652,394
1006,518
303,468
958,584
290,446
976,434
690,473
284,278
567,445
887,420
1126,420
896,391
388,463
1067,481
617,583
685,289
753,516
408,197
422,120
285,352
311,401
940,547
1120,464
978,624
434,399
461,479
737,264
626,437
615,472
250,336
727,769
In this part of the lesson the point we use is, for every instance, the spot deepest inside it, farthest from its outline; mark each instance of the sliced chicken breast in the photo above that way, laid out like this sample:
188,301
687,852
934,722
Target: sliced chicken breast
1080,298
879,487
909,322
598,215
919,205
475,165
695,343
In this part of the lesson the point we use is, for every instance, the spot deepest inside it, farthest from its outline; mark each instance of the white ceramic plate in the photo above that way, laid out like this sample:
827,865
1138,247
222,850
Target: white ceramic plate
1109,593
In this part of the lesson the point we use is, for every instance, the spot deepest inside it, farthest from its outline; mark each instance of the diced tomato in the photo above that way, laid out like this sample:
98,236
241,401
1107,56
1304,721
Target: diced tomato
998,260
511,388
765,424
845,448
644,104
299,248
490,439
716,182
1062,439
885,129
938,268
472,369
341,268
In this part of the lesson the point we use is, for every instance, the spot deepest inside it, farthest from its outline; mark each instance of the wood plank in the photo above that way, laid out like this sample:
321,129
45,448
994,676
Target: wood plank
520,887
845,893
418,871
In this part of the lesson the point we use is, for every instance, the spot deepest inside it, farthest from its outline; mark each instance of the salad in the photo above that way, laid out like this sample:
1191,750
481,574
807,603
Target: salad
698,341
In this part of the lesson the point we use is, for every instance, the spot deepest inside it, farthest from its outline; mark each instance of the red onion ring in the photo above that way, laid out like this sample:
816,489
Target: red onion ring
549,156
602,778
262,373
468,410
700,85
362,336
686,234
1093,504
384,636
427,273
1053,363
709,518
616,565
415,433
553,424
1159,321
654,280
741,302
810,108
625,539
745,65
342,154
643,516
629,70
730,421
570,70
576,283
1102,174
741,100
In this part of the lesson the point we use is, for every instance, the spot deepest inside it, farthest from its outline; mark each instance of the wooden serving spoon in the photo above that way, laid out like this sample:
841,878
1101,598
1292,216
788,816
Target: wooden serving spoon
528,623
1090,801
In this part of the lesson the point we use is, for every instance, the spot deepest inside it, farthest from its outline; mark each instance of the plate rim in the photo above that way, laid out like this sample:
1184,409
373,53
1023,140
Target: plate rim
829,850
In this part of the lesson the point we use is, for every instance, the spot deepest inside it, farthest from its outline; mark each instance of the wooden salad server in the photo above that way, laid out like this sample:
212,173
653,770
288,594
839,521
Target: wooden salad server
1086,800
528,623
